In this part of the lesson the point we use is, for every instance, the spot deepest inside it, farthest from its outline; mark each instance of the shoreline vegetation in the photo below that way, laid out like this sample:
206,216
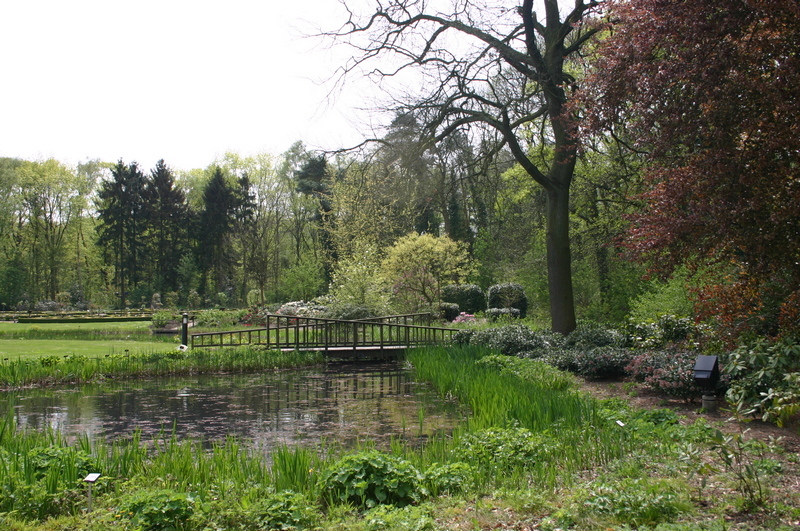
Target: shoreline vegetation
535,453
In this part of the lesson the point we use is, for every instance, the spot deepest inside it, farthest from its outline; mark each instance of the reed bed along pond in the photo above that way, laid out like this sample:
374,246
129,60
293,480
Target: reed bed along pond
533,451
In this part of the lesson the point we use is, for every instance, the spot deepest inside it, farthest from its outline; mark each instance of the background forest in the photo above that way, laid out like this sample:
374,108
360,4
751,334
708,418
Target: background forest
551,164
255,230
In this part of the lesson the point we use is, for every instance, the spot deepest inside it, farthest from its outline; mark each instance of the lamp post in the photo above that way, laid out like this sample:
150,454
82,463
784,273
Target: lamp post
706,375
185,329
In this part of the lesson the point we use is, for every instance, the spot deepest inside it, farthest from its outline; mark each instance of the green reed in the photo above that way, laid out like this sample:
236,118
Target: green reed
565,422
81,369
295,468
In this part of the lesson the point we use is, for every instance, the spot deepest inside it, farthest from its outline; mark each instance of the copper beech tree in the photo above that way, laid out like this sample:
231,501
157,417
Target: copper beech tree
489,66
711,91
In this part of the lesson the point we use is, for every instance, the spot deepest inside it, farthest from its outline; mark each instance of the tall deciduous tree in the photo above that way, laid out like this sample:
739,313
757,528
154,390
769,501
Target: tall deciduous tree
710,90
49,193
496,67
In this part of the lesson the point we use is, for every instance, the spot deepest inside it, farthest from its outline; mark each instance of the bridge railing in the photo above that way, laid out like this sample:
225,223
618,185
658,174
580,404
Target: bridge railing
307,333
422,319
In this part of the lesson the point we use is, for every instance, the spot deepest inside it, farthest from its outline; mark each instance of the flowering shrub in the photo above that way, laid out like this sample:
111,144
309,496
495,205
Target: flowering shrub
463,337
301,309
669,372
516,340
218,318
349,312
464,317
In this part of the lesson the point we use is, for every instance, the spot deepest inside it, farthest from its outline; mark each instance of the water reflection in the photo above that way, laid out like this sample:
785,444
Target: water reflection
340,403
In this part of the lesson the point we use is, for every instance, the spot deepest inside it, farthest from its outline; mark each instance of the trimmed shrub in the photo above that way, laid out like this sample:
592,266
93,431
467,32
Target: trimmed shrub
449,311
469,297
494,314
372,478
508,295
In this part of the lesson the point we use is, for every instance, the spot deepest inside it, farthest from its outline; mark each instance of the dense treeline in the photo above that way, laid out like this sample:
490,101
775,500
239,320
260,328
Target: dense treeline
263,229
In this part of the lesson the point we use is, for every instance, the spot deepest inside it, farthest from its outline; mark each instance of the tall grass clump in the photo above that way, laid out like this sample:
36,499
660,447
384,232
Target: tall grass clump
529,415
500,398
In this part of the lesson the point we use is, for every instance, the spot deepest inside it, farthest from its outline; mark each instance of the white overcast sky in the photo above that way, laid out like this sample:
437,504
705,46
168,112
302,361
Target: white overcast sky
180,80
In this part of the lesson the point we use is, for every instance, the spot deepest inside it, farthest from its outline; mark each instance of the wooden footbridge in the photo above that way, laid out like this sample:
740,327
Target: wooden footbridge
378,338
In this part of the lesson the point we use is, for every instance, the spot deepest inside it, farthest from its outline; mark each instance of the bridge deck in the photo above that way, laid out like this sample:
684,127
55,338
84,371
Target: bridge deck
336,338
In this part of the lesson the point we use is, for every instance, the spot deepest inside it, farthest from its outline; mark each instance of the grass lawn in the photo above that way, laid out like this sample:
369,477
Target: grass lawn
15,349
131,326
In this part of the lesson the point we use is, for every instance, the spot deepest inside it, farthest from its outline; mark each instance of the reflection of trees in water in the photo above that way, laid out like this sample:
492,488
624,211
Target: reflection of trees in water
340,404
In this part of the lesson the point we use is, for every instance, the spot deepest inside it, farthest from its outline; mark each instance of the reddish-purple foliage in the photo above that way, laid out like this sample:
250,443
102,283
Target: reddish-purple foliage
710,90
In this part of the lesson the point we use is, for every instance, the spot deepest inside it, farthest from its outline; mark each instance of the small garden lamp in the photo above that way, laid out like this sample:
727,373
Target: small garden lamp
706,376
185,329
90,479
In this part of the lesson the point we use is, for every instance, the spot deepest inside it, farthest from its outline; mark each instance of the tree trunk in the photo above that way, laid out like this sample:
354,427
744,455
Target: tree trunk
559,261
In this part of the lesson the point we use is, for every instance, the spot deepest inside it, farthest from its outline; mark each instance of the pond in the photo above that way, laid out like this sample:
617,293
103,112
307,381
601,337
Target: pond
340,404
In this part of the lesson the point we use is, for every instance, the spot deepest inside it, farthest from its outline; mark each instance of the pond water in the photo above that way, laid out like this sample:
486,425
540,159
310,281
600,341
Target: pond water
339,404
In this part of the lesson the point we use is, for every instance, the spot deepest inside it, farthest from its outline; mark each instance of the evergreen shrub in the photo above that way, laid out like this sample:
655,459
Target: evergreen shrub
593,363
765,378
508,295
589,335
515,340
469,297
449,311
463,336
